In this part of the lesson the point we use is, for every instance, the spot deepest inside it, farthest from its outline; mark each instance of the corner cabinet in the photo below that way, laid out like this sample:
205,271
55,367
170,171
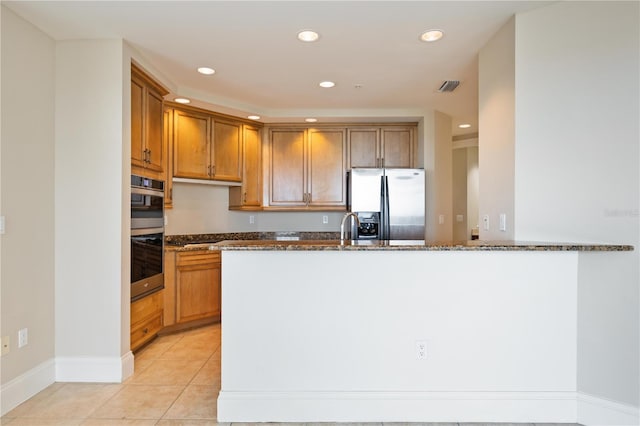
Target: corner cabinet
148,150
193,288
249,195
307,168
382,146
206,146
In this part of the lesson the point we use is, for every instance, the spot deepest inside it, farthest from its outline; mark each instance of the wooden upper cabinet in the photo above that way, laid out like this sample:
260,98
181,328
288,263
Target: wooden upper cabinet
191,145
307,168
168,142
327,177
148,148
364,149
398,147
288,186
392,146
156,151
205,146
137,122
227,150
249,195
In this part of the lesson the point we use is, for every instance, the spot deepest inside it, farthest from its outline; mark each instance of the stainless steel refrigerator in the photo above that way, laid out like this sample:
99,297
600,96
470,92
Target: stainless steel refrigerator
388,202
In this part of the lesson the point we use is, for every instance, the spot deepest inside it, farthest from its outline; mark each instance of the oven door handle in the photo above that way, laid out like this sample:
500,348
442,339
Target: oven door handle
146,231
143,191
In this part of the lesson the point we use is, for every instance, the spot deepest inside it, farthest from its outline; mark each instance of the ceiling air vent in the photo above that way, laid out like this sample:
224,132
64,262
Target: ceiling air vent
449,86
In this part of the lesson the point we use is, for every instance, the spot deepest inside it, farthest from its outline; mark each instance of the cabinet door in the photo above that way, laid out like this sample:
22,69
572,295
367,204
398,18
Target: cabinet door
227,151
197,286
137,113
167,137
252,172
364,148
327,177
154,142
191,155
397,146
146,319
288,186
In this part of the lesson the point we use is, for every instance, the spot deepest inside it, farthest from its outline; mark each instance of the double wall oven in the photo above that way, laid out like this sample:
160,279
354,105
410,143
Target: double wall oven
147,236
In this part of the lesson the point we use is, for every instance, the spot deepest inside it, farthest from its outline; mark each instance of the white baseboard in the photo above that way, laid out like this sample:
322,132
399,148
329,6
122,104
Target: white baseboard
94,369
23,387
507,407
593,410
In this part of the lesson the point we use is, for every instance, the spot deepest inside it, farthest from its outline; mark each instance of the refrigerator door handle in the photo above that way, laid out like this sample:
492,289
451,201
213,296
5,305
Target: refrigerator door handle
386,228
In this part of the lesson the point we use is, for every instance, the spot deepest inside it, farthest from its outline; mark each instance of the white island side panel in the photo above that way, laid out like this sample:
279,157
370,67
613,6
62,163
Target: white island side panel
320,321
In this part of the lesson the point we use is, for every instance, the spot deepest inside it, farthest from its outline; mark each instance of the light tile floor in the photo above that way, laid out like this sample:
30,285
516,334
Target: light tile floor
175,383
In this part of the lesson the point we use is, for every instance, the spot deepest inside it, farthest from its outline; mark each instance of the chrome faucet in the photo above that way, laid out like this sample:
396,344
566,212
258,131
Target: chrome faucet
344,218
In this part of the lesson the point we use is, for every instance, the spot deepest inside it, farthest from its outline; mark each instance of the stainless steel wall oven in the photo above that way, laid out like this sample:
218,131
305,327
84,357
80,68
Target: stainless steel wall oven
147,236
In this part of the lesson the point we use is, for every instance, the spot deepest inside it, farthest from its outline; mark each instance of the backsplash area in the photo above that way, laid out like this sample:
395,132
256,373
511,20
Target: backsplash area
204,209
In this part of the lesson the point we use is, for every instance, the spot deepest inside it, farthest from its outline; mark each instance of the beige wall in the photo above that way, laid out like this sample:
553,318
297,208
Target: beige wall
438,171
204,209
496,106
465,190
27,193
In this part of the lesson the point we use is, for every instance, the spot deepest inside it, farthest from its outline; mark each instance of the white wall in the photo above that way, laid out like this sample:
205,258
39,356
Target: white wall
89,209
496,102
577,170
27,197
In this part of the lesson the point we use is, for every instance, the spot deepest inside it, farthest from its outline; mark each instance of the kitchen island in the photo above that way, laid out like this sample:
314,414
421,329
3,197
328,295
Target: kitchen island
400,331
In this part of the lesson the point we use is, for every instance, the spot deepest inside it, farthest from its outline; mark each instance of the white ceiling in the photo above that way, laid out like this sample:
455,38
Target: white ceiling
261,67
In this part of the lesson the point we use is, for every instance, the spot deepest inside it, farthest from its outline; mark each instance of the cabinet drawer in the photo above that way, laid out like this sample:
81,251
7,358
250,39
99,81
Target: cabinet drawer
145,331
197,257
146,307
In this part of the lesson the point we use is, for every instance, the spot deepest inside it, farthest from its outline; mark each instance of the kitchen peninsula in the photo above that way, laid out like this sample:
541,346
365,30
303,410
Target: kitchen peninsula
400,330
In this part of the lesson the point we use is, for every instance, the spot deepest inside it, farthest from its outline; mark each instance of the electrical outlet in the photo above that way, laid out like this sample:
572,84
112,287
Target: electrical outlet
485,222
325,219
5,345
421,349
252,219
503,222
441,219
23,337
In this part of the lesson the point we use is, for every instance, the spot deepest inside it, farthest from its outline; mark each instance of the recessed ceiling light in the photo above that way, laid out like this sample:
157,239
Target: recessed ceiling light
431,35
308,36
327,84
206,70
182,100
464,126
254,117
310,120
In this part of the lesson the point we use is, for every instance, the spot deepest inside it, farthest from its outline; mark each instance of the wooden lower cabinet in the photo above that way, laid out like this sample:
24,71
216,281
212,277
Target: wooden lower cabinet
193,287
146,319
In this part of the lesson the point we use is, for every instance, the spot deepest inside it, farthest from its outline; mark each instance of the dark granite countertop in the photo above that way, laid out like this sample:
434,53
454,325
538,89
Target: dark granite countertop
190,242
413,245
318,241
